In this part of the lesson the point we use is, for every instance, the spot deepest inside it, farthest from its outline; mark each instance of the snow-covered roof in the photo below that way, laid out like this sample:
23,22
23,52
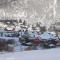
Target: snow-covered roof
47,35
10,38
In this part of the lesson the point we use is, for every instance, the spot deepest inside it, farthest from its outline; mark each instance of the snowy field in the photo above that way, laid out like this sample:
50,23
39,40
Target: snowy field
46,54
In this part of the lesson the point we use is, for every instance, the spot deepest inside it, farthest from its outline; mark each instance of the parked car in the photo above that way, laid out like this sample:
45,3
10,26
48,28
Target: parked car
48,40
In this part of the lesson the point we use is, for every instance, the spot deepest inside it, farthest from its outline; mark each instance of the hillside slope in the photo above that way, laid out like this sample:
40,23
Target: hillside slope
30,10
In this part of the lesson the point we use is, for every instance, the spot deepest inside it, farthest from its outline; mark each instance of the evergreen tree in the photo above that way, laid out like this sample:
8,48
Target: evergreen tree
37,24
42,29
24,23
20,21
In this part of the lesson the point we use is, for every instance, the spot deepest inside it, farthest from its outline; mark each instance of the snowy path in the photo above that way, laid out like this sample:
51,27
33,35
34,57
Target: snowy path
47,54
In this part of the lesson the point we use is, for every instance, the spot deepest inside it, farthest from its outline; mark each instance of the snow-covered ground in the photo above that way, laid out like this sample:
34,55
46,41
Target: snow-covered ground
46,54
